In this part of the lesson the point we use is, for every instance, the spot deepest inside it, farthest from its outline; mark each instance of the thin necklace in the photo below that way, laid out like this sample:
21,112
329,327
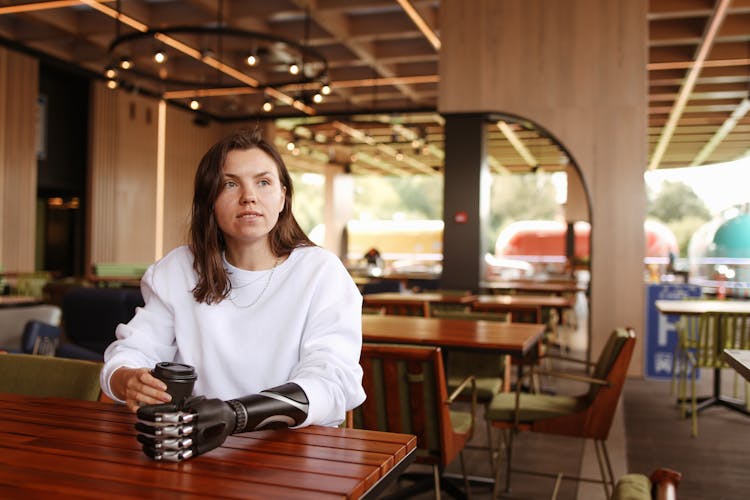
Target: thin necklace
265,287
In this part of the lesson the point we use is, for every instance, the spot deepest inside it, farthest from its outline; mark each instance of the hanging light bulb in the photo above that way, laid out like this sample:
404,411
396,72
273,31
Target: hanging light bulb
252,60
325,89
290,146
110,72
267,106
195,105
160,56
294,69
126,63
318,98
112,84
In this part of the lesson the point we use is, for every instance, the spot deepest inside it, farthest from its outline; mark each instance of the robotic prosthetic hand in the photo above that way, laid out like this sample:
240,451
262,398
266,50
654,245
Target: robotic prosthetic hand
169,433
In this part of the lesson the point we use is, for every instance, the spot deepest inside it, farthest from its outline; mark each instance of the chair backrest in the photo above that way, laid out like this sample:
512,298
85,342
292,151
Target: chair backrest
736,328
90,315
14,319
406,393
611,366
470,315
47,376
40,338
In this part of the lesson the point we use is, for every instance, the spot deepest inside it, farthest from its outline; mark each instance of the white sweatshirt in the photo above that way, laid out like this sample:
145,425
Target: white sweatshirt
305,327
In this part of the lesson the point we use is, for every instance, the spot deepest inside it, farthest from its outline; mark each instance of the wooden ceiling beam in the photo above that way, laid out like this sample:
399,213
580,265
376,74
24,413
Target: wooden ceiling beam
717,17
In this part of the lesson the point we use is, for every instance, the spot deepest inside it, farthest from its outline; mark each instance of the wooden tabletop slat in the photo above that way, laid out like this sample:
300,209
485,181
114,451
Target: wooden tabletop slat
417,298
222,469
507,338
79,448
490,302
48,483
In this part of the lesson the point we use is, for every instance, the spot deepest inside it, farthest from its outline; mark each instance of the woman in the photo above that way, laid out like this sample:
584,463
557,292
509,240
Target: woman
266,317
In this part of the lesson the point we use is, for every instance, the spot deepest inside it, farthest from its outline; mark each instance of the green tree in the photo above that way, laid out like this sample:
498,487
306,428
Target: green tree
675,201
414,197
677,205
520,197
309,196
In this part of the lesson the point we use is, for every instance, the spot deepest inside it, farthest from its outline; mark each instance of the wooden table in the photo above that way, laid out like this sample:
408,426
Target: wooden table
19,300
51,447
718,307
516,339
534,286
415,302
522,303
739,359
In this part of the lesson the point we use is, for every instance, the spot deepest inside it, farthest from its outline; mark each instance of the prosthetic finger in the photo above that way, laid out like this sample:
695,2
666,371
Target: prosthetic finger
168,433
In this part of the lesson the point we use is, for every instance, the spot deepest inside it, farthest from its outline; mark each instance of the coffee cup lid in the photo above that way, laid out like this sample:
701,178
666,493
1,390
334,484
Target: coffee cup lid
174,371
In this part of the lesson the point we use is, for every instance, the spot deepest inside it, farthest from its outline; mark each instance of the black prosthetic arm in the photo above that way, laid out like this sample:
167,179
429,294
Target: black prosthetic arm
282,406
168,433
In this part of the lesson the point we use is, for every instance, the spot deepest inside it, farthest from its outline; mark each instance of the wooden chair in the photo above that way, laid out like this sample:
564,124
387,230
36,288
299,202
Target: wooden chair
587,416
48,376
406,393
490,371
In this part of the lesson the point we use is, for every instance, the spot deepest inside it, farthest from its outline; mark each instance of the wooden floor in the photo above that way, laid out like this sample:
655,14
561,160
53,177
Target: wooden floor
715,464
648,433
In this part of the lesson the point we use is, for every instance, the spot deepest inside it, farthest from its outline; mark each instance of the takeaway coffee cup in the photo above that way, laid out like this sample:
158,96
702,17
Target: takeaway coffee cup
179,378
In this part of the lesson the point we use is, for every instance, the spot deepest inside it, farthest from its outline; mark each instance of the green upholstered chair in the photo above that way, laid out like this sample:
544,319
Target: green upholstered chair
490,371
49,376
588,415
406,393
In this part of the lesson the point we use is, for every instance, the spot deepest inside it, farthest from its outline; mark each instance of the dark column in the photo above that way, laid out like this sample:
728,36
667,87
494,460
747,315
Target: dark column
465,201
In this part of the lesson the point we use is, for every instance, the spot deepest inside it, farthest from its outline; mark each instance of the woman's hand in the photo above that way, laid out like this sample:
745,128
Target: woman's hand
138,387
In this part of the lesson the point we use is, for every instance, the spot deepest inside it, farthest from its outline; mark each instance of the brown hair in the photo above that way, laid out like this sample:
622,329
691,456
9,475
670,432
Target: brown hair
206,239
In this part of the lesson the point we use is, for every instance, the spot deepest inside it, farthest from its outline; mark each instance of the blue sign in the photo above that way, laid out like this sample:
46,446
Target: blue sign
661,333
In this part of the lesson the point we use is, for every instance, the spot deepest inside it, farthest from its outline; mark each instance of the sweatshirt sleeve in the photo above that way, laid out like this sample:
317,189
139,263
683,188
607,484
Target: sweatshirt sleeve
146,339
329,370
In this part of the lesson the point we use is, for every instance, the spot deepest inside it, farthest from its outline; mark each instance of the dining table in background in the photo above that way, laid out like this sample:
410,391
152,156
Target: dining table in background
418,302
52,447
553,287
523,303
519,340
697,307
20,300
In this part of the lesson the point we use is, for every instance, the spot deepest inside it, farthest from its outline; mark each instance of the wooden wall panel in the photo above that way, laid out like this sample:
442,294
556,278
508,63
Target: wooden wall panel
122,177
19,88
186,143
578,69
101,181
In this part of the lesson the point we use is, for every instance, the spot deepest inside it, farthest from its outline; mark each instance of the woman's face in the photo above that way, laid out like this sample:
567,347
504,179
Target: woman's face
250,198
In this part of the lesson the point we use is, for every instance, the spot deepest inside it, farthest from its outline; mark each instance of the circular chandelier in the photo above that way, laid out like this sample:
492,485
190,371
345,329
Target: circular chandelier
215,60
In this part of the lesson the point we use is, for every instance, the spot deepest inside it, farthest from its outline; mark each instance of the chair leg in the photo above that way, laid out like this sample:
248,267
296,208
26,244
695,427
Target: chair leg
694,405
489,444
607,462
682,387
500,441
600,459
558,483
467,488
673,385
436,478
